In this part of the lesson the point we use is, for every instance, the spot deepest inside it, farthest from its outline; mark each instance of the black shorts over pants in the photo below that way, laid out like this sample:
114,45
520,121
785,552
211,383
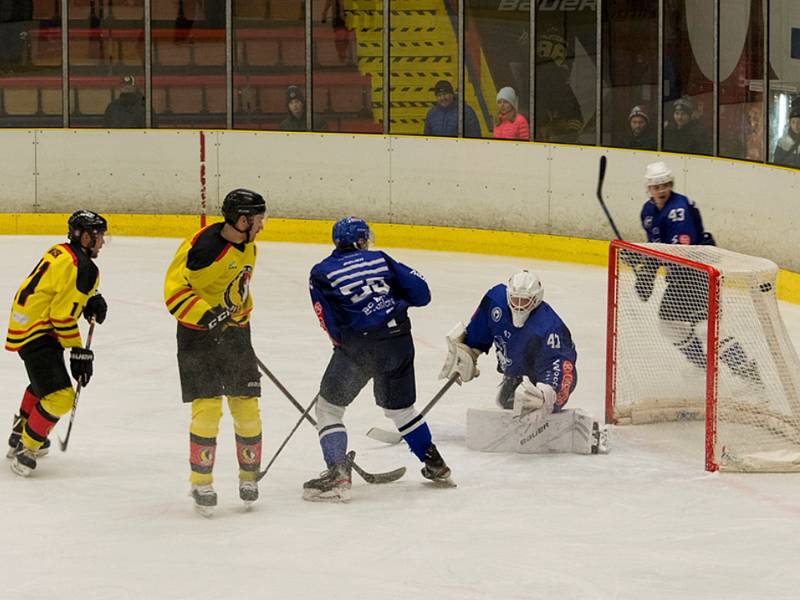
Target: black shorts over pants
44,362
208,369
388,361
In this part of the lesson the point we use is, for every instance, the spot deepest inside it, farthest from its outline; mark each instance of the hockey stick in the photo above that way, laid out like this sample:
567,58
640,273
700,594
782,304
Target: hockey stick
387,477
260,475
63,443
393,437
600,179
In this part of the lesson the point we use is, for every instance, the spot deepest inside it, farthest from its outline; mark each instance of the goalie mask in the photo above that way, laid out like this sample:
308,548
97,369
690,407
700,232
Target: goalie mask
524,292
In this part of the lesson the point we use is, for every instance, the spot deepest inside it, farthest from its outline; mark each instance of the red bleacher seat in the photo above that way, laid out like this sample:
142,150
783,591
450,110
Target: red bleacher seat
78,9
46,51
359,126
186,100
347,99
93,101
51,102
250,9
160,100
320,100
43,9
86,52
21,101
209,53
131,52
167,10
171,53
286,10
215,99
293,53
272,100
261,53
128,10
326,54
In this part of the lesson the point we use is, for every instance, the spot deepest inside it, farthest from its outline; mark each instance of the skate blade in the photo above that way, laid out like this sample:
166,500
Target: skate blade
20,470
11,452
341,496
442,483
204,511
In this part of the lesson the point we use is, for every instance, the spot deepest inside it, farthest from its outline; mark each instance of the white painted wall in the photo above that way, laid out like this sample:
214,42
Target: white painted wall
484,184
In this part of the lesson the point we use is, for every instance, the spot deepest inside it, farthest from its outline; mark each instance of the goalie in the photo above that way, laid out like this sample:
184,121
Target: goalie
536,356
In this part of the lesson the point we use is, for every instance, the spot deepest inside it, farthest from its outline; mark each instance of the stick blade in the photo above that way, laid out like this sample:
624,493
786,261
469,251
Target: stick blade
62,444
387,437
378,478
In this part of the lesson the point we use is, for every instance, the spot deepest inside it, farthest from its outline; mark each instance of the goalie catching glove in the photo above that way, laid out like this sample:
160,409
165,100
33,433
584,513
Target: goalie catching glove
530,397
461,358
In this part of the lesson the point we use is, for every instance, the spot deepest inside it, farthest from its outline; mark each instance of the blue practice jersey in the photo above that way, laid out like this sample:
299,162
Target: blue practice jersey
673,224
357,291
542,349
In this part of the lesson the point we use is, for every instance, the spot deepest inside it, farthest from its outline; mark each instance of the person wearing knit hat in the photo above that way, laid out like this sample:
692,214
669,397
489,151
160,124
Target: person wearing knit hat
442,118
641,135
684,133
787,149
509,124
296,108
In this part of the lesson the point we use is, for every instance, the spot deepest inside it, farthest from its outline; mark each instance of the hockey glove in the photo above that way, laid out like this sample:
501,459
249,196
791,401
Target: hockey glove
461,358
529,398
215,319
80,364
96,308
645,278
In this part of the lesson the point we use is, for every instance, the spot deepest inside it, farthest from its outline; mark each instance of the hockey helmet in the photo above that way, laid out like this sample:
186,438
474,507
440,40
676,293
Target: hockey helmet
351,232
524,293
242,202
85,221
657,173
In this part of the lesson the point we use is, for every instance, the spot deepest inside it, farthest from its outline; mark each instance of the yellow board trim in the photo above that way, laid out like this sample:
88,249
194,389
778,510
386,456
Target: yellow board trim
423,237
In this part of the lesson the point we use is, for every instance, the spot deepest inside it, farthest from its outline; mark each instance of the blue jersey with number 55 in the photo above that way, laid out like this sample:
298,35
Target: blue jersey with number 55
673,224
358,291
542,348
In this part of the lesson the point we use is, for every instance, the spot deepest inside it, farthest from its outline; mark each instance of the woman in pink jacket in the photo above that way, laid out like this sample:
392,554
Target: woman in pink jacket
509,124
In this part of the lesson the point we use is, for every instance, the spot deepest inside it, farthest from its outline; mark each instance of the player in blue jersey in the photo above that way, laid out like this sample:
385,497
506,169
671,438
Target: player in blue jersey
671,218
361,298
535,353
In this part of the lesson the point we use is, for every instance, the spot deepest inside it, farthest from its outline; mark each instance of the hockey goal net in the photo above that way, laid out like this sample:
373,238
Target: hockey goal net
694,333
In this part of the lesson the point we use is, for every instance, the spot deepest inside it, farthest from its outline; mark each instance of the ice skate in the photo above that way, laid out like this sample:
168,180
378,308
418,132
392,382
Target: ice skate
248,491
333,485
435,468
24,461
15,439
599,438
205,499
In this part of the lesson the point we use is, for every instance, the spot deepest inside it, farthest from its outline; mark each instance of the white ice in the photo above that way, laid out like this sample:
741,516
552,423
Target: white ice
111,519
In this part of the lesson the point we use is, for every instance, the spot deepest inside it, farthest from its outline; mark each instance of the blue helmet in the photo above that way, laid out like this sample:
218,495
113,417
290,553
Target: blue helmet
350,232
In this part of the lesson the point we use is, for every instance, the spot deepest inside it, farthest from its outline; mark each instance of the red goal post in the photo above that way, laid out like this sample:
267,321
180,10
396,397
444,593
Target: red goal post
694,332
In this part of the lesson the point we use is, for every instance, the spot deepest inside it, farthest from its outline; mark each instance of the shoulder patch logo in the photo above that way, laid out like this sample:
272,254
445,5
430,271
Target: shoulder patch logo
496,314
54,252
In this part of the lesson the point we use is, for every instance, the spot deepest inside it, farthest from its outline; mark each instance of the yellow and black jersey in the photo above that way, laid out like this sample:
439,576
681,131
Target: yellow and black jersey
51,298
209,271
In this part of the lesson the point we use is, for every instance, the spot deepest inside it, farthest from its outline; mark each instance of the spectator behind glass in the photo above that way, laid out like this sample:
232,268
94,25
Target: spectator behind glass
296,112
442,118
787,150
754,134
641,135
684,133
509,124
127,110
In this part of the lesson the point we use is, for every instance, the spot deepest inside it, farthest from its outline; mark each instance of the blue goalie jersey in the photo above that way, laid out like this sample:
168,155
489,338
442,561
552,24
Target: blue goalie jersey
360,291
542,349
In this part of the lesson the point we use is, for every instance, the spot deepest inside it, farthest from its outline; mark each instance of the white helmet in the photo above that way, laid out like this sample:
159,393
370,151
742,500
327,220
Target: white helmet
657,173
524,292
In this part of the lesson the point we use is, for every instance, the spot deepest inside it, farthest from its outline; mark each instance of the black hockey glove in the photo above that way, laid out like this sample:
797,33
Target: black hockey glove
215,320
96,307
646,278
80,363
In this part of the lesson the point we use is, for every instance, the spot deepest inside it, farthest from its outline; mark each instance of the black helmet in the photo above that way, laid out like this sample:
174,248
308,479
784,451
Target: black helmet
242,202
85,221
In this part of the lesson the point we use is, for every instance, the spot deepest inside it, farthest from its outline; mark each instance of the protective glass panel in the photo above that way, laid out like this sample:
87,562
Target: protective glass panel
566,72
688,76
784,83
630,71
269,65
106,63
188,54
30,64
347,65
741,74
497,66
423,80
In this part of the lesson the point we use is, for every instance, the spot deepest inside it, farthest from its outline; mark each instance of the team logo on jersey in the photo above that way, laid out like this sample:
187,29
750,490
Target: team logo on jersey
18,317
239,288
496,314
54,252
648,222
232,265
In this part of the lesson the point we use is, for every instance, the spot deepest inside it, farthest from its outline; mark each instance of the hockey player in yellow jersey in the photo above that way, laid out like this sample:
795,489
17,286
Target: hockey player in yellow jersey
207,289
44,322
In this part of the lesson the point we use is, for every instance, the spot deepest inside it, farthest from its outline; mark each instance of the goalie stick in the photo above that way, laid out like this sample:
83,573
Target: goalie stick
393,437
63,443
600,179
386,477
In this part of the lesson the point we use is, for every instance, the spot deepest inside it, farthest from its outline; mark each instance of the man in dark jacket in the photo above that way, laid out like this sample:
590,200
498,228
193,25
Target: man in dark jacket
442,118
641,134
684,133
296,112
787,150
127,110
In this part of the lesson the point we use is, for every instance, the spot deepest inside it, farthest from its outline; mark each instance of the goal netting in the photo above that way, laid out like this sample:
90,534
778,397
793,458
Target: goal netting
694,332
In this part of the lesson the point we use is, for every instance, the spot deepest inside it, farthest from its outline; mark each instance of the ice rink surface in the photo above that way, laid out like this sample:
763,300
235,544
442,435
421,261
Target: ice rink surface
111,519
